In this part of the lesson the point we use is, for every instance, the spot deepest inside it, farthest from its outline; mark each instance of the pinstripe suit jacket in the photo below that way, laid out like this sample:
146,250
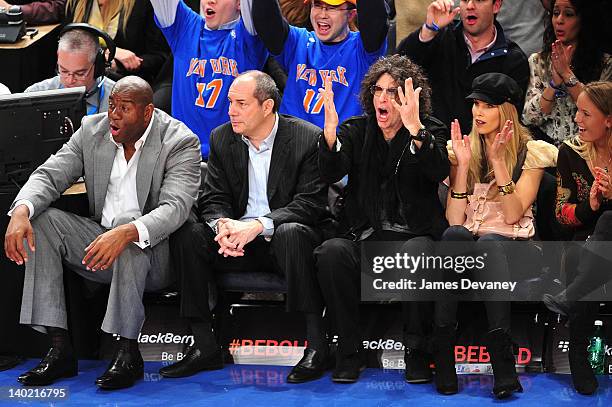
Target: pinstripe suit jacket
295,191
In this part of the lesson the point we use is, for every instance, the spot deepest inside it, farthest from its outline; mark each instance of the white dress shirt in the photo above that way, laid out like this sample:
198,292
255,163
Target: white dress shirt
121,197
259,169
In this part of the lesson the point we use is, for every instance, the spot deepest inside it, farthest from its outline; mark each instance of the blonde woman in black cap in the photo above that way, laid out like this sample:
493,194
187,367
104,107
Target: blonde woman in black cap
497,165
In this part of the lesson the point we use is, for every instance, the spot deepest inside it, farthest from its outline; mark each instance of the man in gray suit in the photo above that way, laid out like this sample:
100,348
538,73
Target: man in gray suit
142,173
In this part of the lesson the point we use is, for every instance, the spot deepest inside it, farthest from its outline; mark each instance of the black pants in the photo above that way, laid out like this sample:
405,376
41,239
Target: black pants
498,312
589,268
196,259
338,264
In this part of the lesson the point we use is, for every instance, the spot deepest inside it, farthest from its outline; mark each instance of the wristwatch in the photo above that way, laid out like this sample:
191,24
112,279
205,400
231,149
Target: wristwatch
571,81
421,134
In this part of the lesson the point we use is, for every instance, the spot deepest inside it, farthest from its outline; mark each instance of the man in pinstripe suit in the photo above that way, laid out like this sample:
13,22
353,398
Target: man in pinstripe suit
261,204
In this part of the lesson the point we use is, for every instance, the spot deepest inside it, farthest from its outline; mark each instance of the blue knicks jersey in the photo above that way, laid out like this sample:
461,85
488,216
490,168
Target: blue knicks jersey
308,62
205,64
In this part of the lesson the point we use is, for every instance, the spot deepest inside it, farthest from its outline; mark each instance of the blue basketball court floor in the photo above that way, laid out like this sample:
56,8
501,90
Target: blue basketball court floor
248,385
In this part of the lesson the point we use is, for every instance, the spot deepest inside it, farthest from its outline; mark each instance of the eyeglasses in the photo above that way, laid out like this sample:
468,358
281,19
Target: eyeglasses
377,91
330,9
78,75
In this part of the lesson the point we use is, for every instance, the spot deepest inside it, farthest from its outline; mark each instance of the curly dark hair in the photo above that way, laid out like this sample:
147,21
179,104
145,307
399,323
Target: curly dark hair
399,68
587,61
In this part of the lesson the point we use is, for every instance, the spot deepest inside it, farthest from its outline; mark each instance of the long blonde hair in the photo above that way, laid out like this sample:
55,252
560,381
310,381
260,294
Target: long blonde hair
507,111
108,13
600,93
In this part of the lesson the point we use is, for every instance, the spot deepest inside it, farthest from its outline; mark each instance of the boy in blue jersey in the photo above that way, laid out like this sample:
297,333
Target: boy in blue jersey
209,52
331,50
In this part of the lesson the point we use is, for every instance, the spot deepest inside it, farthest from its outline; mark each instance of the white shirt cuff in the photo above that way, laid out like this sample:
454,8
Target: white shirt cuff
213,225
143,234
23,202
268,225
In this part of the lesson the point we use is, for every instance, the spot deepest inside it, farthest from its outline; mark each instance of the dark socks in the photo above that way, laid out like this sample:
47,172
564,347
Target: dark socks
128,345
315,334
60,339
203,336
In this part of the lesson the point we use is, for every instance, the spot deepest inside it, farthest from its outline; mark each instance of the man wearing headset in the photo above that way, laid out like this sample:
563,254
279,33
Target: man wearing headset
81,62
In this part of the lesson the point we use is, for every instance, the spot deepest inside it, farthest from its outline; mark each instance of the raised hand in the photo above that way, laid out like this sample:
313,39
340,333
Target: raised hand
408,106
495,153
441,13
461,145
331,115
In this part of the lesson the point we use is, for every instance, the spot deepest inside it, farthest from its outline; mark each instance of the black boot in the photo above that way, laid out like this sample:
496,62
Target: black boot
444,357
502,360
417,366
582,374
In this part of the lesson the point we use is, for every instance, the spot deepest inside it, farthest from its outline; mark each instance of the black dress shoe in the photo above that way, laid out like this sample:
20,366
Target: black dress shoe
55,365
348,368
194,361
417,366
123,371
312,366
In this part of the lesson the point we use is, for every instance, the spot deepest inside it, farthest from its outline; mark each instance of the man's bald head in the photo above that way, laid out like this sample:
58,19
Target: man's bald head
130,109
138,89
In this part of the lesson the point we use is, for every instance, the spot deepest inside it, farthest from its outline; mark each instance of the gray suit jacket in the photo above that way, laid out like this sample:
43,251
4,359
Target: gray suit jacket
167,178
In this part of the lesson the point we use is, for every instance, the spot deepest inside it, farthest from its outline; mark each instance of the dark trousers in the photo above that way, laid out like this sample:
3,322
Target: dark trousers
195,256
338,264
589,267
498,312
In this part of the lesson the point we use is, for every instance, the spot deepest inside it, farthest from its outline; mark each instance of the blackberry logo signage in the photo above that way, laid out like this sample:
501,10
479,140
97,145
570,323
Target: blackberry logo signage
166,338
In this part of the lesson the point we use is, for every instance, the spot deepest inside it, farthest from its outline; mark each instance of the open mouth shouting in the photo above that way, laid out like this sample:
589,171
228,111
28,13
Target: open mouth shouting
471,19
382,114
323,28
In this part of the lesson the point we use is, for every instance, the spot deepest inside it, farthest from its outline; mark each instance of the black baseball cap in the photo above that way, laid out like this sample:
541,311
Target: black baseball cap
496,88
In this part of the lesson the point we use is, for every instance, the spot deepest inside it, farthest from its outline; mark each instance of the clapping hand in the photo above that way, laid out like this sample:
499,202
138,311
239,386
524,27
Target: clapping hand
495,153
602,178
561,58
595,196
461,145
